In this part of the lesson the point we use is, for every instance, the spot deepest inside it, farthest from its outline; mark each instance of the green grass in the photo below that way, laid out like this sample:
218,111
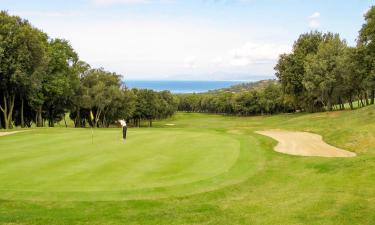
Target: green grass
147,165
207,169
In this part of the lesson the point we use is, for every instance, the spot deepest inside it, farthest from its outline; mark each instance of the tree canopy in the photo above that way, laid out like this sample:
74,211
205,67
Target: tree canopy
43,79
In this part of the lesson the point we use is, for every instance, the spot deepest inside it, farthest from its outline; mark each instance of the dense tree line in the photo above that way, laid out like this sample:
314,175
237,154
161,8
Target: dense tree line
103,94
245,86
264,98
42,79
321,73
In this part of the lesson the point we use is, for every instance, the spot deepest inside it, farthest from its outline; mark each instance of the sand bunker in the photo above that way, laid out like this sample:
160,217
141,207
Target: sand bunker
8,133
304,144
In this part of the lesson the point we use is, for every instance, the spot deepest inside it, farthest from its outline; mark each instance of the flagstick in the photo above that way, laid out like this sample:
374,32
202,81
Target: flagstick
92,131
92,136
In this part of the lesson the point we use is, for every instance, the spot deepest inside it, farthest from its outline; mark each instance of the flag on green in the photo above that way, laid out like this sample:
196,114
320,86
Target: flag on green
91,116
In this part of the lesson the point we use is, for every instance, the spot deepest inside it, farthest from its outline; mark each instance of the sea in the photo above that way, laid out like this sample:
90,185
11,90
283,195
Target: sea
183,86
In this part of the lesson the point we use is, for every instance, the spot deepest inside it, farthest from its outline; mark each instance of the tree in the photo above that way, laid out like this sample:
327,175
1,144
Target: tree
246,103
290,69
271,99
81,69
22,49
60,81
355,72
104,95
146,105
366,41
324,69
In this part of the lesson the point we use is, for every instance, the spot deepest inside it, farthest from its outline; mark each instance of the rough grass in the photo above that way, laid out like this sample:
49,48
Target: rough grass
260,187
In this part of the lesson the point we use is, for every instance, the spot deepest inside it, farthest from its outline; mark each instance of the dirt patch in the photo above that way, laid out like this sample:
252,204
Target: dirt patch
304,144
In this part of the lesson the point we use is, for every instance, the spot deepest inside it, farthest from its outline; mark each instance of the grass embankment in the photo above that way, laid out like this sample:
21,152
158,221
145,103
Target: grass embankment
206,169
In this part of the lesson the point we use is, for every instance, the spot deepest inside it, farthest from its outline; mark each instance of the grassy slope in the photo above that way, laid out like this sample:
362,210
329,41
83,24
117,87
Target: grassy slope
279,189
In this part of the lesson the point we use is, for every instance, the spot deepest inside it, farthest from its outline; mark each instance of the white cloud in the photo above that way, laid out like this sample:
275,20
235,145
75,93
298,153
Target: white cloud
145,48
190,62
315,15
314,20
218,61
253,53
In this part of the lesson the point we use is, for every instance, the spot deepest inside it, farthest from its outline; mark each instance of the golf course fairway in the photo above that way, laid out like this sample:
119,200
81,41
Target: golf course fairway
205,169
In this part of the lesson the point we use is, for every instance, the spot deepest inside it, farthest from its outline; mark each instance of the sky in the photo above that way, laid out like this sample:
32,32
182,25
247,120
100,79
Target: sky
188,39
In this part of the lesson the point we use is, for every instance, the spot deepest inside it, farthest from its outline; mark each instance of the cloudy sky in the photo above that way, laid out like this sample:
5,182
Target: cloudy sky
188,39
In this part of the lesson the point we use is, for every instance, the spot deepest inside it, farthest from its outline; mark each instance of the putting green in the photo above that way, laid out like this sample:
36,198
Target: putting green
63,164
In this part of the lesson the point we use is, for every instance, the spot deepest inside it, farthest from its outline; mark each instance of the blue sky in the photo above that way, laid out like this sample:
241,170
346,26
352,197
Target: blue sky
191,39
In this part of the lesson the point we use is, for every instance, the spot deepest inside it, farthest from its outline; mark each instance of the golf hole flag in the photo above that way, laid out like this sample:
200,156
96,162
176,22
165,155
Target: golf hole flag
92,131
91,116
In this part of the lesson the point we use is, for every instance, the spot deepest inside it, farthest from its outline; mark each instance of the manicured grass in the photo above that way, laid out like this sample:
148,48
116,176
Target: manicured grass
207,169
64,164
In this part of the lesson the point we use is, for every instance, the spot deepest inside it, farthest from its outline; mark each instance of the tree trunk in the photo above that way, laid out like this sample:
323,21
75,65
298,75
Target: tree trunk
66,125
22,118
39,119
104,121
96,118
329,104
329,100
5,113
51,123
372,96
150,122
360,101
7,110
77,122
366,98
351,102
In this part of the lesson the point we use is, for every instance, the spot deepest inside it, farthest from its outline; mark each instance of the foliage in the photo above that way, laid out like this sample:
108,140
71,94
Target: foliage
42,79
266,98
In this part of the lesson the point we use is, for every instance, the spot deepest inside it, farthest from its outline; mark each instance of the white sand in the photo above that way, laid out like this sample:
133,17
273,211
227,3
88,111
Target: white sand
304,144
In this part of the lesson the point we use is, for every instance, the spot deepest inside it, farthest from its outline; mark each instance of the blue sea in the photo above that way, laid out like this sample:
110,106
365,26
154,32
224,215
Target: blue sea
181,86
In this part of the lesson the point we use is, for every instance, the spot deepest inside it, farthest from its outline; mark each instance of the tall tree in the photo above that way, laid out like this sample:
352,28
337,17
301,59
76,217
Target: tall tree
81,69
61,79
290,68
22,49
324,69
98,88
355,74
367,41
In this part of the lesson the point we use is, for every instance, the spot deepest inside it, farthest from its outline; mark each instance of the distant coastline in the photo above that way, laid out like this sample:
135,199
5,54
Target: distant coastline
186,86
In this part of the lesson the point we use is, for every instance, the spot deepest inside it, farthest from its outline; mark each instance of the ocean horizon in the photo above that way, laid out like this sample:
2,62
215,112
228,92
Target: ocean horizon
185,86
